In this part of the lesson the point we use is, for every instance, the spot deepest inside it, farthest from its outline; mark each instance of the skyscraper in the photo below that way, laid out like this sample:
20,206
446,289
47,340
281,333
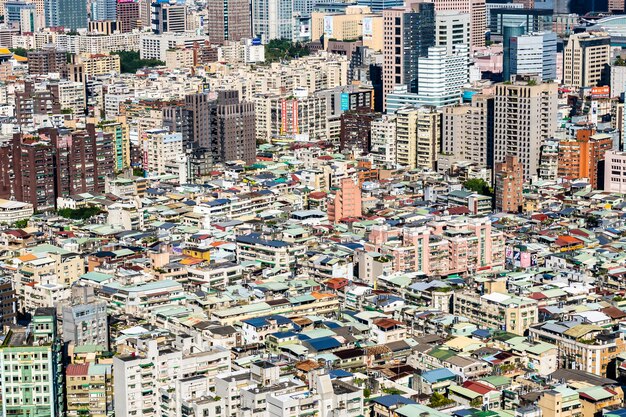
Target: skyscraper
378,6
128,15
478,16
509,32
452,28
408,33
228,20
70,14
103,10
272,19
533,54
168,17
585,57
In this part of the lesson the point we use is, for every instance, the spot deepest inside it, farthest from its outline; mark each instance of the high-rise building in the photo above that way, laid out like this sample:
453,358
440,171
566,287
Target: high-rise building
356,130
47,60
272,19
525,116
509,32
477,12
346,202
70,14
383,141
408,33
532,54
585,57
452,28
30,359
616,6
467,131
128,15
615,172
228,20
509,185
13,9
378,6
103,10
581,157
442,75
418,137
168,17
533,20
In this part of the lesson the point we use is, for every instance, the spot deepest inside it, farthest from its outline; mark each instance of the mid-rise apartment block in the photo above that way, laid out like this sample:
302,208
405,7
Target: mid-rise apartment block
509,183
586,56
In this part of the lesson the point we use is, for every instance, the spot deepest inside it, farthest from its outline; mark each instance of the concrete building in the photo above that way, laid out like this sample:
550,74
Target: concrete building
31,363
581,157
509,185
355,23
468,131
85,319
477,12
168,17
13,211
383,141
270,253
70,14
89,388
531,54
159,146
356,130
525,116
418,135
156,46
46,61
408,33
452,28
618,80
586,56
8,303
615,171
92,65
128,14
228,20
272,19
346,202
104,10
441,76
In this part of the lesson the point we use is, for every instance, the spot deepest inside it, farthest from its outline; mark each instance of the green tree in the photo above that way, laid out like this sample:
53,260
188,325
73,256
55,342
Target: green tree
476,402
619,62
130,61
478,185
367,392
19,51
20,224
79,214
439,400
281,49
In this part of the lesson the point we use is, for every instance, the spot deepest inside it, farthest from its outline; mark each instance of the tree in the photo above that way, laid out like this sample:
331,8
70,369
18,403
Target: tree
439,400
478,185
367,392
130,61
79,214
619,62
20,224
476,402
279,49
19,51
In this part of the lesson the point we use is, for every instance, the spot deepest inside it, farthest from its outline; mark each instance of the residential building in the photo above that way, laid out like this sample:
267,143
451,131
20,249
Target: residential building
383,141
418,135
159,146
8,303
356,130
128,15
581,157
268,253
585,57
89,388
615,171
346,202
509,185
85,320
47,60
525,116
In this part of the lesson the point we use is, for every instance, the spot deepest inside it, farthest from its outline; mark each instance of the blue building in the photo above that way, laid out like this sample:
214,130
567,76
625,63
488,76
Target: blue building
380,5
71,14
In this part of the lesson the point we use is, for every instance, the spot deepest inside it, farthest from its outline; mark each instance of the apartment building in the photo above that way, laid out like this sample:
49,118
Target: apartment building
346,202
159,146
383,141
8,303
228,20
89,388
478,17
585,57
92,65
268,253
581,157
615,171
418,134
509,185
500,311
525,116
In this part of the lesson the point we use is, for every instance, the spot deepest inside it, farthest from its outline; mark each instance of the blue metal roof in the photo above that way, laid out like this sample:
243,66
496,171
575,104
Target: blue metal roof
437,375
391,400
263,321
339,373
255,238
324,343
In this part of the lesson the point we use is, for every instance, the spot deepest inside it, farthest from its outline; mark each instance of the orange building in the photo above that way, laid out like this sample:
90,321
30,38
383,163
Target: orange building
579,158
346,201
509,185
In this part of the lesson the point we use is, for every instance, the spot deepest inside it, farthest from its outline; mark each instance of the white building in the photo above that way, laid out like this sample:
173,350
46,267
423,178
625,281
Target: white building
273,19
615,172
452,28
534,54
156,46
160,147
442,75
12,211
384,141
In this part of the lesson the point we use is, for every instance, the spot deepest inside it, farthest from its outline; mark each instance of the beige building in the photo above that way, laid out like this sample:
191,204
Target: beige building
560,402
418,134
477,12
358,22
89,389
179,58
525,116
585,57
98,64
466,130
497,310
452,28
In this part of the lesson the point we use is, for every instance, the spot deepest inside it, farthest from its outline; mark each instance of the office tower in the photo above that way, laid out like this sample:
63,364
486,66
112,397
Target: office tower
85,320
408,33
8,303
580,157
13,11
345,202
272,19
586,56
47,60
615,172
30,359
103,10
533,20
442,75
509,32
525,116
418,137
168,17
378,6
228,20
532,54
70,14
128,15
356,130
467,131
452,28
509,185
29,21
477,11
